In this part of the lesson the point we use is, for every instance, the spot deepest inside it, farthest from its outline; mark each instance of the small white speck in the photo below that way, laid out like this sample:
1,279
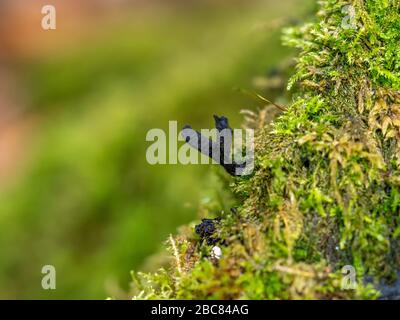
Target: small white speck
216,252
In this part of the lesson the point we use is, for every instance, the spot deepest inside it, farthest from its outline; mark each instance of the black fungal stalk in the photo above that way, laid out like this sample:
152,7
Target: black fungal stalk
224,142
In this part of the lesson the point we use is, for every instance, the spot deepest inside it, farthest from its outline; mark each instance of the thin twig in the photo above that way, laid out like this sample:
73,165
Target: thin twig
260,97
176,254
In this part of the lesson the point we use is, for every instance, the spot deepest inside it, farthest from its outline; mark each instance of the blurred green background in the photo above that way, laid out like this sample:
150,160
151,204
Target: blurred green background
76,191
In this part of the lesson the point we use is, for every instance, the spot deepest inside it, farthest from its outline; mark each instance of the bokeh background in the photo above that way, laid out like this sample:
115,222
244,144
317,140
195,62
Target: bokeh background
75,106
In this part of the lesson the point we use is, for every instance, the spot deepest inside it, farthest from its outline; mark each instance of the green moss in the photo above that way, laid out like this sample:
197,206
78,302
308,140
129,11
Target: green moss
326,187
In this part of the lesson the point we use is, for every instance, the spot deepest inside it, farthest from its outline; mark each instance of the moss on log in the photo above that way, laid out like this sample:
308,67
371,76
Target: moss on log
325,192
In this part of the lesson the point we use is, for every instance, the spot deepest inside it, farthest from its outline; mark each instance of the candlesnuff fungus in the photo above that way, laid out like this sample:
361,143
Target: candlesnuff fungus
221,150
206,230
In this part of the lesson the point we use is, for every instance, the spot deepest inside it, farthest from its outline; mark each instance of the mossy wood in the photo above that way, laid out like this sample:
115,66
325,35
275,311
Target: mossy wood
325,192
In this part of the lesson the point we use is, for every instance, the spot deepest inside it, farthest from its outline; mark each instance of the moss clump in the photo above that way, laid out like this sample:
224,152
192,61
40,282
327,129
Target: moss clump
326,188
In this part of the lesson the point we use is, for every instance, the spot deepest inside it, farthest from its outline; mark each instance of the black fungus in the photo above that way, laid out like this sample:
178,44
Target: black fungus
206,230
221,123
